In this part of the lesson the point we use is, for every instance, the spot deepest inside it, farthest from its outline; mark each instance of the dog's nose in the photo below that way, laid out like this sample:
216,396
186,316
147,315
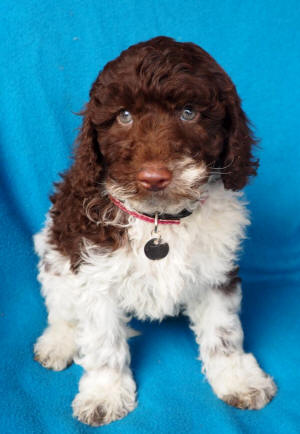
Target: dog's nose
154,177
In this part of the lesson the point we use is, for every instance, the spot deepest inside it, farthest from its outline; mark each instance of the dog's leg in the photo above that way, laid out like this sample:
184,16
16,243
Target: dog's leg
235,376
107,389
56,347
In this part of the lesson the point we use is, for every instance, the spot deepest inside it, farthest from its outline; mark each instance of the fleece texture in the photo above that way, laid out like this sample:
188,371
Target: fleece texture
51,51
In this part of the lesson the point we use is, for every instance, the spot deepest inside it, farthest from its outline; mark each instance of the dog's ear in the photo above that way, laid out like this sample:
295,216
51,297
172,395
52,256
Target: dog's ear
237,161
88,165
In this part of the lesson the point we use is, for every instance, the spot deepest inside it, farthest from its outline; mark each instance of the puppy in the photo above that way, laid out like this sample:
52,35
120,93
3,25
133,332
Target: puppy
148,222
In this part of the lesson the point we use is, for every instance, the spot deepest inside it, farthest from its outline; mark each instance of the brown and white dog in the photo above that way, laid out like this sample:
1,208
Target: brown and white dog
148,222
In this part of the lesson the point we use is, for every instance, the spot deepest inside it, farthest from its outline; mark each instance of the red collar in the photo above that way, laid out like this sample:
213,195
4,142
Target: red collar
165,220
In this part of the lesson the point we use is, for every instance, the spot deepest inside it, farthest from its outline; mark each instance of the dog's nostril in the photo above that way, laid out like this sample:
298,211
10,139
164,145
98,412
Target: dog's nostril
154,178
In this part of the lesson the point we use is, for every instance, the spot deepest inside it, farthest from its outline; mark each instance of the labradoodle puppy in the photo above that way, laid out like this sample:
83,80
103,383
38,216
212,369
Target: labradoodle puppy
148,222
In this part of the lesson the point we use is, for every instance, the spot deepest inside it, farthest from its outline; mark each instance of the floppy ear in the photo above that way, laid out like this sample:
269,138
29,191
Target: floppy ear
88,165
237,159
81,181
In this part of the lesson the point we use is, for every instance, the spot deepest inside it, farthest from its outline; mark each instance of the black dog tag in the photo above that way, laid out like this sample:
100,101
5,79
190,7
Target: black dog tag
154,249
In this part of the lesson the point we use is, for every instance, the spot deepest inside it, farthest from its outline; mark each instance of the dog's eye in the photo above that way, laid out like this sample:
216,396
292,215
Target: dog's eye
188,113
125,117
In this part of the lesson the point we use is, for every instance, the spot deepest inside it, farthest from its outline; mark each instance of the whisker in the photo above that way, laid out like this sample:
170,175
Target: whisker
224,167
211,164
219,173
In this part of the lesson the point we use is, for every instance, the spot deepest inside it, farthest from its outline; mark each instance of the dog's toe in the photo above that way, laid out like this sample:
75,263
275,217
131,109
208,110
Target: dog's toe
95,413
51,360
89,413
254,398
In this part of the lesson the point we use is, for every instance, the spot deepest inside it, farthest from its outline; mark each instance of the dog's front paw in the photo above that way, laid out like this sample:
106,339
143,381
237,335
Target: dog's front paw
98,411
56,347
253,398
240,382
104,396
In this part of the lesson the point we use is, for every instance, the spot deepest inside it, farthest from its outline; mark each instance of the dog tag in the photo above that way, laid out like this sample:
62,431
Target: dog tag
154,249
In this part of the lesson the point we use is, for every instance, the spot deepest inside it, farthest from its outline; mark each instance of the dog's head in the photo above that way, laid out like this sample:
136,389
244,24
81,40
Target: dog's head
162,118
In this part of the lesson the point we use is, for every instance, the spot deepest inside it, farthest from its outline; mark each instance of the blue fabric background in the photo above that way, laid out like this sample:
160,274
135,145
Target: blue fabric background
50,53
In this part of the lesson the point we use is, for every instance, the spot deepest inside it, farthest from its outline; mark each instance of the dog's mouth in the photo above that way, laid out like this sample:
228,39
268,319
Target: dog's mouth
185,190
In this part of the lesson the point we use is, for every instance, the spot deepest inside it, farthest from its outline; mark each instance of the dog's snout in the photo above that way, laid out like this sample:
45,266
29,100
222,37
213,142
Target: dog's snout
154,177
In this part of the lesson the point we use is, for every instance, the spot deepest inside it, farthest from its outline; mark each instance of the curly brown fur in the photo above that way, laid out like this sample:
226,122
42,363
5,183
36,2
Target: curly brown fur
154,80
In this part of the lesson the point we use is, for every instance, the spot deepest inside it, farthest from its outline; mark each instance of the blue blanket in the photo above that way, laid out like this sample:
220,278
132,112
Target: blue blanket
50,53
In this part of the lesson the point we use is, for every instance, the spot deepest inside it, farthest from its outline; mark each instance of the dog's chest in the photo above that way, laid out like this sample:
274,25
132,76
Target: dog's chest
202,250
155,288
